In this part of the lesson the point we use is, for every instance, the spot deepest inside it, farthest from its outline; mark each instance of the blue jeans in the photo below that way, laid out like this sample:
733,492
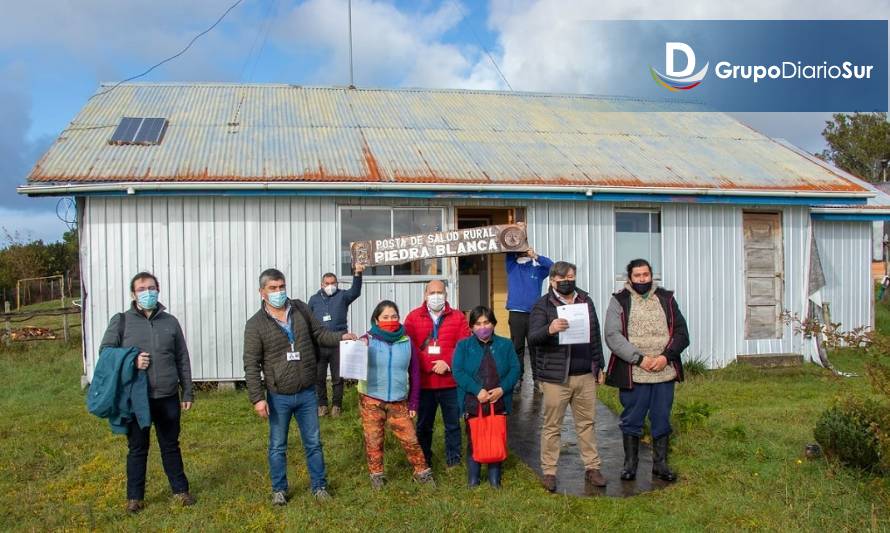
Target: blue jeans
302,406
430,401
654,399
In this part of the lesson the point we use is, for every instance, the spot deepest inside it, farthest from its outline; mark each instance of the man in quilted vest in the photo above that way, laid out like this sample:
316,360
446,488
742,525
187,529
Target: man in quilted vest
280,342
435,329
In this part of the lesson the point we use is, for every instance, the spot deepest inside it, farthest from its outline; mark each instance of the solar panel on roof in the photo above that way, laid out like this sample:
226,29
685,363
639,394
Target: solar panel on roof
151,130
137,130
126,130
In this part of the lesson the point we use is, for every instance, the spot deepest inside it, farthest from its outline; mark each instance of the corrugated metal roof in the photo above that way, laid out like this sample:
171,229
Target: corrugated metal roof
231,132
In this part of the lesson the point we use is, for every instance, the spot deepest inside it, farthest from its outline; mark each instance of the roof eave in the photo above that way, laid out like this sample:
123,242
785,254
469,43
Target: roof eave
68,189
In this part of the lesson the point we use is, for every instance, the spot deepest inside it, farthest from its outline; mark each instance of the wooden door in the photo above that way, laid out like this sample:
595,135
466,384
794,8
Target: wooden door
764,275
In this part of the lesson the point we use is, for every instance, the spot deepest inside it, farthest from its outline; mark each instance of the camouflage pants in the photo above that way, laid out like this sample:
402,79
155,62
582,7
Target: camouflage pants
375,414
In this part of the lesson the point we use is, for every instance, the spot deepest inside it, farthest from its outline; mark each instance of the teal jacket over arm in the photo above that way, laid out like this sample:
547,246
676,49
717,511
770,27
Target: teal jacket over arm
119,391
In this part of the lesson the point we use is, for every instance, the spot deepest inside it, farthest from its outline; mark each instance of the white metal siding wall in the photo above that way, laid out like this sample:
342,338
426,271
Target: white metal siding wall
704,262
845,250
207,253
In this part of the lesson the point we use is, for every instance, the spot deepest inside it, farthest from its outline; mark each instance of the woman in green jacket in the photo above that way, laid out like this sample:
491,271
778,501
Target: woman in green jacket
485,368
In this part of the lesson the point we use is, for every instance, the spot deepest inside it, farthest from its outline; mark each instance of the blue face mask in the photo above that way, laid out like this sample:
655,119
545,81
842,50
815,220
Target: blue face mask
277,299
147,299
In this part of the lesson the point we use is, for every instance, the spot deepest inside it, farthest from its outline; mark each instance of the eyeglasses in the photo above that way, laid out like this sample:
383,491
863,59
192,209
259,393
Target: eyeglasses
143,289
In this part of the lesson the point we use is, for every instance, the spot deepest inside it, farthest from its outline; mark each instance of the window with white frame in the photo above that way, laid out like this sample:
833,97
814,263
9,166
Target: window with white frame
637,236
369,223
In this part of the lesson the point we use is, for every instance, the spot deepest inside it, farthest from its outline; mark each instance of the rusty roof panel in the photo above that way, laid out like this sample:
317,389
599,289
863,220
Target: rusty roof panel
233,132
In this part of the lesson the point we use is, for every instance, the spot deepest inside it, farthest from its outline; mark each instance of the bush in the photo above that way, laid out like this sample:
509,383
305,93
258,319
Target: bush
694,367
693,414
849,431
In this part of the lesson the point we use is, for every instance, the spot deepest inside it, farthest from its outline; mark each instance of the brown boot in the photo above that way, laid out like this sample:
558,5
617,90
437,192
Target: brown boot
184,498
595,477
549,482
134,506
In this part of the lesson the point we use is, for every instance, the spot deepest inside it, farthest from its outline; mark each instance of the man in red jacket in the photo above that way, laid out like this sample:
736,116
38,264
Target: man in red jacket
435,329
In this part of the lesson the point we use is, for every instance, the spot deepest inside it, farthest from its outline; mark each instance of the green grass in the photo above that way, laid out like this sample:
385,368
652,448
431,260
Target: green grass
742,468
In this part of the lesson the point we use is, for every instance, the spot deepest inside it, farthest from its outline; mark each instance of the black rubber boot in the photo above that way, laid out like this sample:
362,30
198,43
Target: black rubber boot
660,467
631,456
474,470
494,475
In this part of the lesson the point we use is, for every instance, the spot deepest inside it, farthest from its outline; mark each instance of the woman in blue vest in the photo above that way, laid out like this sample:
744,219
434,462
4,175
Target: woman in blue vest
485,368
391,394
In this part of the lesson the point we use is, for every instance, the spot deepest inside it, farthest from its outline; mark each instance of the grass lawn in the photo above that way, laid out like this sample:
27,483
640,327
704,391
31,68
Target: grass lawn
742,468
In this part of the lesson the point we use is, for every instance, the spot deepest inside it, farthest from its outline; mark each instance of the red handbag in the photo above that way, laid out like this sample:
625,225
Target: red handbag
489,436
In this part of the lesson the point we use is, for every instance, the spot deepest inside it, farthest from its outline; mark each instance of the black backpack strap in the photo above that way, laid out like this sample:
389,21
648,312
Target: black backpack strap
122,326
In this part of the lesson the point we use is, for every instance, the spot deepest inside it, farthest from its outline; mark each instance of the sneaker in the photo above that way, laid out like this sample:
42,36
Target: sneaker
452,464
425,477
184,498
378,481
279,498
322,410
322,495
595,477
134,506
549,482
335,411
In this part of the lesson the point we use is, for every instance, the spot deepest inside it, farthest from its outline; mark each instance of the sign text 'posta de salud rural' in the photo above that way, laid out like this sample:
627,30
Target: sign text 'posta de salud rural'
470,241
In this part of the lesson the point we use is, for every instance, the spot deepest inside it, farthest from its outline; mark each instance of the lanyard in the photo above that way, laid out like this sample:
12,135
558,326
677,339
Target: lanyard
436,324
289,331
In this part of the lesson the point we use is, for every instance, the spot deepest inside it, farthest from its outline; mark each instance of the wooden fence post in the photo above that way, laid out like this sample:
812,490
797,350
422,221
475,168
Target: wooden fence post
8,324
65,315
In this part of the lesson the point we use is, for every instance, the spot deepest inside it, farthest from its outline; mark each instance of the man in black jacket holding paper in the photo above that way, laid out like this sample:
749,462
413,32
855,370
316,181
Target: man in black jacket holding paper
569,373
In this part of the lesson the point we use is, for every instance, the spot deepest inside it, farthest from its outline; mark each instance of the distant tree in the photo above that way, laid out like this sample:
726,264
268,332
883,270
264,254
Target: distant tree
62,255
858,143
20,259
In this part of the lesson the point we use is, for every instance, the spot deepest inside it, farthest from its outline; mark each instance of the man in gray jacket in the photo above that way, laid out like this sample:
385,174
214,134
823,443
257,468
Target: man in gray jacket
280,343
165,359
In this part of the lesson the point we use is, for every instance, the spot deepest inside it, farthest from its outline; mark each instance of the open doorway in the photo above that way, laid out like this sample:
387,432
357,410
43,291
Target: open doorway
482,279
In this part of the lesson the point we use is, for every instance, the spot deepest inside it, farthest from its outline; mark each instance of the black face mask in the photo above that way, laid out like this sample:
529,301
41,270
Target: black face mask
565,287
642,288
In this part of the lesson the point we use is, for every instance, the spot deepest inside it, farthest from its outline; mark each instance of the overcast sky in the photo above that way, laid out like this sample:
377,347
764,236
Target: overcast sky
53,54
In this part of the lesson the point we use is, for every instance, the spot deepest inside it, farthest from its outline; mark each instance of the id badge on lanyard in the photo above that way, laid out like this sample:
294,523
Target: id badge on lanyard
293,355
434,348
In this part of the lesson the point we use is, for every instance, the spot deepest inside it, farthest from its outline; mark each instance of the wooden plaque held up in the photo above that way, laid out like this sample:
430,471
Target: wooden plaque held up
454,243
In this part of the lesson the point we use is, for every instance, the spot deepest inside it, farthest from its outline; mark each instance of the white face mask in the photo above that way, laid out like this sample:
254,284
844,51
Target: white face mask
523,260
435,302
330,289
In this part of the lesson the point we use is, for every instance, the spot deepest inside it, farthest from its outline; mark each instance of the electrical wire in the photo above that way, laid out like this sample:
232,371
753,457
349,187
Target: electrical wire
263,32
490,58
171,58
64,208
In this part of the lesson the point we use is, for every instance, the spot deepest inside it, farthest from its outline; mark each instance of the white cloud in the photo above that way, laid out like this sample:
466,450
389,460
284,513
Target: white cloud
30,225
543,48
389,45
